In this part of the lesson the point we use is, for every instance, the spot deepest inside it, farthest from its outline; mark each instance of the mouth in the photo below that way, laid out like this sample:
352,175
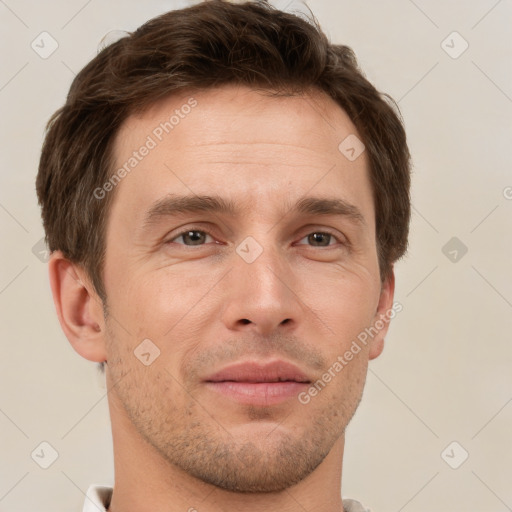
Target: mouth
255,383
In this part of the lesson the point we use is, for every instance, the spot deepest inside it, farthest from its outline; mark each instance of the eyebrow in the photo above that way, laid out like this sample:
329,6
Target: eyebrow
173,205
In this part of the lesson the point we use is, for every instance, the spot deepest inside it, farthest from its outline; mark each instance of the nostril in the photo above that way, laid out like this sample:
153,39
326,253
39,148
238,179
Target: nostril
245,321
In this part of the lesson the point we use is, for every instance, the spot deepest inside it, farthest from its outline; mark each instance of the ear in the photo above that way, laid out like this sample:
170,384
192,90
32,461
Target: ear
385,312
79,308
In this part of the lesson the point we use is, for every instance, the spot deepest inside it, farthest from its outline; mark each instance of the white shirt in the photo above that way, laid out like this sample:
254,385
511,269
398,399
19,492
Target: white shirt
98,498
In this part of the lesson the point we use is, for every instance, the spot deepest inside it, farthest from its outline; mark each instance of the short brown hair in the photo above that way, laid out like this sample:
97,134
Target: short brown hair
203,46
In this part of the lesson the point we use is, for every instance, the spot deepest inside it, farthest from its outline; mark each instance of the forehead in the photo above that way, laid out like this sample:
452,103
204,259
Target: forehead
239,143
234,114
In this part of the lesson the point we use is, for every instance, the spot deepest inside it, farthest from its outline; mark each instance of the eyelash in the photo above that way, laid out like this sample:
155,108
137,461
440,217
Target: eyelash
184,232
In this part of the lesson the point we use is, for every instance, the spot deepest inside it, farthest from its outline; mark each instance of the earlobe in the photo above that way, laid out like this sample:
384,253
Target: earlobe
383,315
78,307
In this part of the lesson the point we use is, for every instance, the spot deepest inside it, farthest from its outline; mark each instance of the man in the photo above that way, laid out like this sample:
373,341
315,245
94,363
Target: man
224,195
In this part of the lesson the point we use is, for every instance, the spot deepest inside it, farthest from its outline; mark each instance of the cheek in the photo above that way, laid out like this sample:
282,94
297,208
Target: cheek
168,307
176,305
345,302
154,300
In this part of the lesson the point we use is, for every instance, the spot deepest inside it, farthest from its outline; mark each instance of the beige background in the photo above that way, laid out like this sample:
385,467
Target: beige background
445,374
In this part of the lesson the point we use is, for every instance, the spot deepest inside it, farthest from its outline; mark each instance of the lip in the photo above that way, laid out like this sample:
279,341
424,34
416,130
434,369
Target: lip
256,383
252,371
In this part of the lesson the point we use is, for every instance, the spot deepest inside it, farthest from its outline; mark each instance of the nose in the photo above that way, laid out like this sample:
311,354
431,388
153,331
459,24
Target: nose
262,295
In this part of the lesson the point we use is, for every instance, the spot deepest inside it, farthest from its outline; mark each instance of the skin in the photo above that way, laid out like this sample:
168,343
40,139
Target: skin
179,446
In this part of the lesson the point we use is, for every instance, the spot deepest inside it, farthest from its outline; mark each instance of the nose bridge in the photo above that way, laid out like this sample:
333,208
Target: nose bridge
261,285
263,262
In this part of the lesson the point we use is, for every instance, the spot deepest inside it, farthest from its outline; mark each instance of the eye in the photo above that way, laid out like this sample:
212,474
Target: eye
195,236
321,239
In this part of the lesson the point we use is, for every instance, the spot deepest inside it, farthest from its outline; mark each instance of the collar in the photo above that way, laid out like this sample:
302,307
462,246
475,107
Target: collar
97,498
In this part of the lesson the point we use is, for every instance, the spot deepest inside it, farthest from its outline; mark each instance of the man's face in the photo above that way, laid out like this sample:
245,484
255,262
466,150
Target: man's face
261,284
